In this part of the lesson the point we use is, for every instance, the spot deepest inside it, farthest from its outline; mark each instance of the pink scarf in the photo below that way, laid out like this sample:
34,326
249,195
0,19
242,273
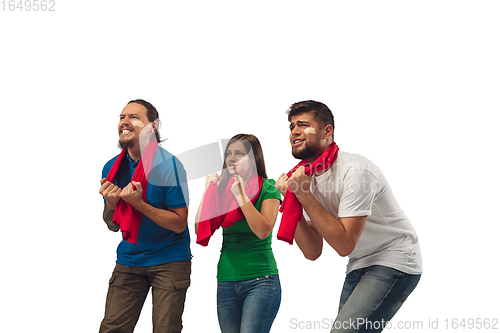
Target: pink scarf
125,215
291,207
223,211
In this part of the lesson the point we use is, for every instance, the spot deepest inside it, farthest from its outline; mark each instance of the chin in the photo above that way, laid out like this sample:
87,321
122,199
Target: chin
125,144
303,153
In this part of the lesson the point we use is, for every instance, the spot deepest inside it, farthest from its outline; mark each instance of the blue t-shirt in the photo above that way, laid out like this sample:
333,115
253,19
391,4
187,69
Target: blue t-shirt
167,189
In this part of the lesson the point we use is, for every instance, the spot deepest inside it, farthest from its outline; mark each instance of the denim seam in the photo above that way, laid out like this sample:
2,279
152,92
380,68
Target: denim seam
385,296
269,306
403,298
111,292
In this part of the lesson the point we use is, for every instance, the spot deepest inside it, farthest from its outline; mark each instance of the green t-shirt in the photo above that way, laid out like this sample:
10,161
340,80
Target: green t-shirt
243,255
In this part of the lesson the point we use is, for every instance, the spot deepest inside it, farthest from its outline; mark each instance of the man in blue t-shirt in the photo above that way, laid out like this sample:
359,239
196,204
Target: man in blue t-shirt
161,258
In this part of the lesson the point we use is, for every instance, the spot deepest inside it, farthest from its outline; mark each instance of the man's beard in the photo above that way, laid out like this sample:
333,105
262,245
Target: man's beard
304,153
125,144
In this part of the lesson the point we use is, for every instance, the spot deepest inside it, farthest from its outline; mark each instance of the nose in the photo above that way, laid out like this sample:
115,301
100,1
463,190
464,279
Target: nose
295,131
124,121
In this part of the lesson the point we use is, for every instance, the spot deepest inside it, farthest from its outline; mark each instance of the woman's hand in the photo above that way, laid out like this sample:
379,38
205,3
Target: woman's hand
214,178
238,190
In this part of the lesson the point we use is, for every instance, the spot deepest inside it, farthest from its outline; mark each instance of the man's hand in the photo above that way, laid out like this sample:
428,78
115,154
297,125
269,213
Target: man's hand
299,183
111,193
132,194
282,184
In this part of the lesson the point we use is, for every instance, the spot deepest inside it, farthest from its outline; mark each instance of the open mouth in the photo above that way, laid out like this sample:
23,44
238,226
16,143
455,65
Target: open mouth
232,167
125,131
297,142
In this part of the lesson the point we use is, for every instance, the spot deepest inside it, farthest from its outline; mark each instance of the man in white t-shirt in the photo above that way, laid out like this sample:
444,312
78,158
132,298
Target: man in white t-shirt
352,207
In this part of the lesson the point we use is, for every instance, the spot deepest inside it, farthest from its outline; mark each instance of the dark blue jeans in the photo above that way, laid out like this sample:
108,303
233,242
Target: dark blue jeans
370,297
248,306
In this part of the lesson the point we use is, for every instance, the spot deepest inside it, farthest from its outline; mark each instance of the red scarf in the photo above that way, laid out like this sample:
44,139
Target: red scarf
223,211
291,207
126,217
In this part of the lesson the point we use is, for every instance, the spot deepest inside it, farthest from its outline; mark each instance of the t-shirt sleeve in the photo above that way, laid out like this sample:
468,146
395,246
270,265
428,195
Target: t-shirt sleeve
271,192
176,187
358,193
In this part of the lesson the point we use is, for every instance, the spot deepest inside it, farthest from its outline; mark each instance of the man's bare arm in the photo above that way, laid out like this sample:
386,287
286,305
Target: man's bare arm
341,234
107,216
309,240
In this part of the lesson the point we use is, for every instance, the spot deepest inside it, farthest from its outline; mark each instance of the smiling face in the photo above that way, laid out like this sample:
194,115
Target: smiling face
133,120
307,138
238,160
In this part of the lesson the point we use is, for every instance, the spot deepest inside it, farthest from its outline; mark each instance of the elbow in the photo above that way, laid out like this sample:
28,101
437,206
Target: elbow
114,229
263,231
344,252
181,228
263,234
312,255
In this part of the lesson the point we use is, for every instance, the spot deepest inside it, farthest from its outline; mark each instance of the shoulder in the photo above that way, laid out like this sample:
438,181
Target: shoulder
268,184
108,165
167,161
269,190
169,156
167,169
348,164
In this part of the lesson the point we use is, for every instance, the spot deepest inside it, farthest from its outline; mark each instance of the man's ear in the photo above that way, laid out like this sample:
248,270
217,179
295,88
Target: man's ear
155,125
328,132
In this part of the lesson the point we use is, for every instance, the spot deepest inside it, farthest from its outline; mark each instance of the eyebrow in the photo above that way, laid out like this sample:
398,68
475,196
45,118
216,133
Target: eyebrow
129,114
299,122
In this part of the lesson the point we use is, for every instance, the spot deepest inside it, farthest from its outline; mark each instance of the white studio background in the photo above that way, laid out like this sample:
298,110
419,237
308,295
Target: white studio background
414,86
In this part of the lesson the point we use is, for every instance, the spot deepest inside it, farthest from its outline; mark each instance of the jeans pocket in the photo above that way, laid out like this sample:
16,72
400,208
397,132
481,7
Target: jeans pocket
181,284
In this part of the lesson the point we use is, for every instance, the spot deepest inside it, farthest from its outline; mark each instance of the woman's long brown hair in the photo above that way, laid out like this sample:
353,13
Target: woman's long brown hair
252,147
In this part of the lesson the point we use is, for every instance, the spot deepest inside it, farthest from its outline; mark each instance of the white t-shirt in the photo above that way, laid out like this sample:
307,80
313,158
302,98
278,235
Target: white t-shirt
354,186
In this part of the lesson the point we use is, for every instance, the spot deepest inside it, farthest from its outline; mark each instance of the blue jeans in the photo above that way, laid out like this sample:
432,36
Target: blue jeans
248,306
370,297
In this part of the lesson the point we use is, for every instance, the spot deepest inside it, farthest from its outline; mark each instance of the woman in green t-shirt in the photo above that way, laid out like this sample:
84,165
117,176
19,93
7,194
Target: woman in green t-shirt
245,203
